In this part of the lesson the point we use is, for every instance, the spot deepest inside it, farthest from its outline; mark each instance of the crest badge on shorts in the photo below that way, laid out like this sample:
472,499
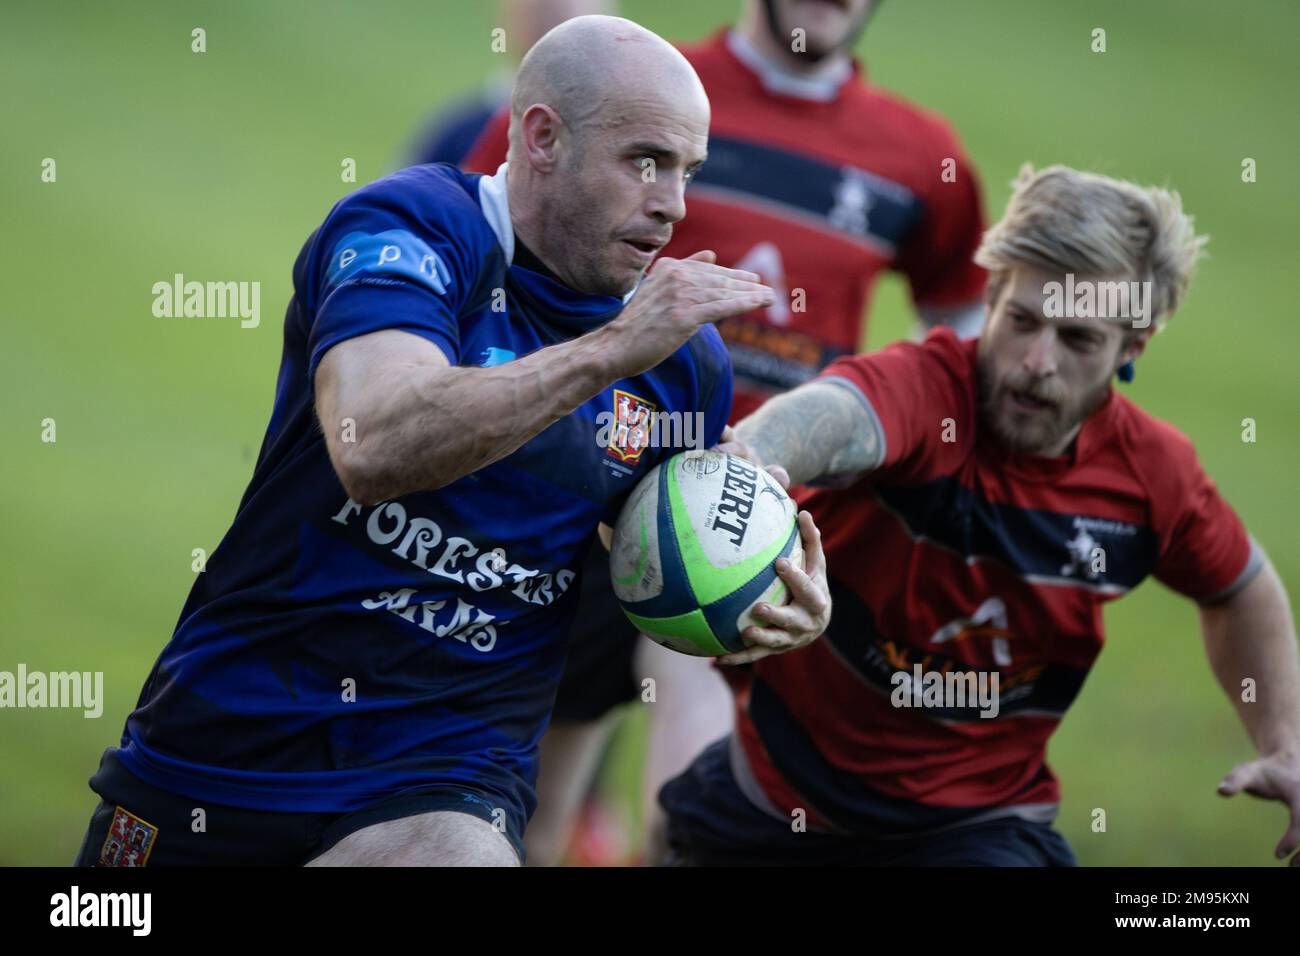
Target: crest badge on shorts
633,417
129,842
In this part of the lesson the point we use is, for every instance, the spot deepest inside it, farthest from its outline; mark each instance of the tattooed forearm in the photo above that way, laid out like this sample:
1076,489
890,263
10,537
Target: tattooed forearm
819,430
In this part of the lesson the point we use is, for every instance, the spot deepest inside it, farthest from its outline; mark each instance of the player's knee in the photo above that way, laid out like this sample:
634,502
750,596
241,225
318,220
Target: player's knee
437,838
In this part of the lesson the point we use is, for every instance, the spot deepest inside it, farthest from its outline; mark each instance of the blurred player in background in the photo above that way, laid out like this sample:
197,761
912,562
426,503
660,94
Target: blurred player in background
999,494
819,182
449,134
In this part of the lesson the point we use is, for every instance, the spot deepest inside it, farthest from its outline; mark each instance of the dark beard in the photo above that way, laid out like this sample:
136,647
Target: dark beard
782,37
1065,418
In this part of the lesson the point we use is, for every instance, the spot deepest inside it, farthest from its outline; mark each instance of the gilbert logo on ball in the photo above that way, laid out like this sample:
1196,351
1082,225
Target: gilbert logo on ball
695,548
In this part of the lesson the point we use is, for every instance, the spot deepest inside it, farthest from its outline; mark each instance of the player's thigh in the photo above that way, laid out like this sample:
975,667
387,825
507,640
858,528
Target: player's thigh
436,838
1004,842
711,822
692,708
569,755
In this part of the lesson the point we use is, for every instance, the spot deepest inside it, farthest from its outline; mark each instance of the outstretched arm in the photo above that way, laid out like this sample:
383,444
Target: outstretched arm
1251,636
421,424
820,430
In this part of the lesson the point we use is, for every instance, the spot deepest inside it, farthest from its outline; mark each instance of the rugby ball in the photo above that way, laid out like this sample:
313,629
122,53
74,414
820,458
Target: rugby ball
695,548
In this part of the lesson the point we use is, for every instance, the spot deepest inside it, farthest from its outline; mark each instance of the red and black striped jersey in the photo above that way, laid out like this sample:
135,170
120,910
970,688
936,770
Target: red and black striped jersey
959,557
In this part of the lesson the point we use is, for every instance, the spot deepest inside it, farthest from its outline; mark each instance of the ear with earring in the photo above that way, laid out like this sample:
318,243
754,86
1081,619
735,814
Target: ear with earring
1125,372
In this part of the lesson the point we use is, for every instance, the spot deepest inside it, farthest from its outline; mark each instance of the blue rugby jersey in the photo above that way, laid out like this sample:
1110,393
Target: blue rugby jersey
332,654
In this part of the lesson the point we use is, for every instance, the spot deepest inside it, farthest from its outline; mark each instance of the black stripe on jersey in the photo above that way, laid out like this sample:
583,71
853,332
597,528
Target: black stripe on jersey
842,198
1044,547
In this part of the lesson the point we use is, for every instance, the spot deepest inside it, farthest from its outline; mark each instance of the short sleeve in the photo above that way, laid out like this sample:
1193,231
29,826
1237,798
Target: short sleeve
385,268
716,383
921,398
938,257
1206,553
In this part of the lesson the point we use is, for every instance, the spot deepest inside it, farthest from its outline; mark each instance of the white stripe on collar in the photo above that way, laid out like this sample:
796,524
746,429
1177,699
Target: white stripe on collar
775,79
493,201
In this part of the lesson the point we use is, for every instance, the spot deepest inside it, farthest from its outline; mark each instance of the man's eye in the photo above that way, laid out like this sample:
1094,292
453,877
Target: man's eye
1022,320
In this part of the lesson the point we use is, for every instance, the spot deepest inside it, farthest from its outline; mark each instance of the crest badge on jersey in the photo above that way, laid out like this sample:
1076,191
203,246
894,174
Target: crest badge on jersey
633,418
129,842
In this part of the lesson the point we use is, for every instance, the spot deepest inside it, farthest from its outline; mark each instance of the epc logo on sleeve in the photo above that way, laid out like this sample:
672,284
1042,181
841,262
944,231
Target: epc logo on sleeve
394,252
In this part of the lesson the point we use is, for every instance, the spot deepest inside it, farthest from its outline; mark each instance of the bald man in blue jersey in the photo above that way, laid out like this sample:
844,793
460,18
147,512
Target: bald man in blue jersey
363,672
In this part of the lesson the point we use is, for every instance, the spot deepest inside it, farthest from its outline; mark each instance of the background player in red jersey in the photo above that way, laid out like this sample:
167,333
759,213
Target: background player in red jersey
818,182
999,493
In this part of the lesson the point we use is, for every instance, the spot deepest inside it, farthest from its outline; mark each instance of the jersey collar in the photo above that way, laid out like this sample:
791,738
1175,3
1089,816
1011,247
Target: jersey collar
776,79
577,311
1093,434
496,210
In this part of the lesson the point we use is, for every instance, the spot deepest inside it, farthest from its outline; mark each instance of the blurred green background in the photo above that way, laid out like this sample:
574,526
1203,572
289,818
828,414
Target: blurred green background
218,165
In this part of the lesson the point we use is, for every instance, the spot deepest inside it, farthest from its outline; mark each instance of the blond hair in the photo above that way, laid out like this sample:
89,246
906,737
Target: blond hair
1061,219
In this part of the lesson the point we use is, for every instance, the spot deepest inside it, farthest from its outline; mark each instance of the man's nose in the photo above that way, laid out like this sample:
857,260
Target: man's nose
667,197
1040,360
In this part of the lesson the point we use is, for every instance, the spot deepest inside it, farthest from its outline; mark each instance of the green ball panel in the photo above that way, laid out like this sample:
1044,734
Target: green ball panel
707,582
689,633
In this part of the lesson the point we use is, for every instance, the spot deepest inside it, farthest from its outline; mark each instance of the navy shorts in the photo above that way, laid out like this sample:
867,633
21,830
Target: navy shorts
712,823
598,671
137,824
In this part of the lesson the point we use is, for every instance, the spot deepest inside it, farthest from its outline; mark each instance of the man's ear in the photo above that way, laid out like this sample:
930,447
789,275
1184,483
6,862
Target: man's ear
540,127
1135,348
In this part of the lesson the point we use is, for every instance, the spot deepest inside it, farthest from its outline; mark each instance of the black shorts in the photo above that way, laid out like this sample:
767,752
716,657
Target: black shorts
137,824
598,672
712,823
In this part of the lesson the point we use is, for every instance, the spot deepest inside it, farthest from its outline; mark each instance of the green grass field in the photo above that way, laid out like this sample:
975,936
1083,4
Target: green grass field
217,165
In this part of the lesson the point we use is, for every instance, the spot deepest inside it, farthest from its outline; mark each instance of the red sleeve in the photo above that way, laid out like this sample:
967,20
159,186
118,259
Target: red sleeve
1205,550
489,150
937,257
922,395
